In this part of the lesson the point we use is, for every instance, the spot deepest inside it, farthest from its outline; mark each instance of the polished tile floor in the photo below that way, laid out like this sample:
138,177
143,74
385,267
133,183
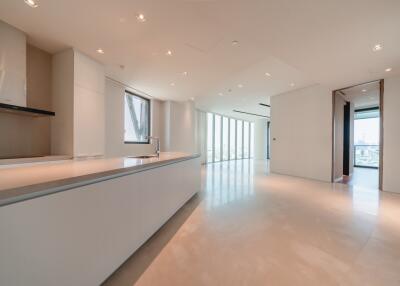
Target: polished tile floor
363,177
248,227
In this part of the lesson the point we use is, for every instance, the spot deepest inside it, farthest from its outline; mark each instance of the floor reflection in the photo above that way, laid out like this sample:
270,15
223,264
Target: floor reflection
228,181
365,200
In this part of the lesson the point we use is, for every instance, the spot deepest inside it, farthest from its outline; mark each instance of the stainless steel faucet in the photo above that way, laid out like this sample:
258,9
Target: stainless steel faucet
157,145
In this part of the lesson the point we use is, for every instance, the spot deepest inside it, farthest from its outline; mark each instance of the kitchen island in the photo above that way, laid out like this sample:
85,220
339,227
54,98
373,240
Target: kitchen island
74,222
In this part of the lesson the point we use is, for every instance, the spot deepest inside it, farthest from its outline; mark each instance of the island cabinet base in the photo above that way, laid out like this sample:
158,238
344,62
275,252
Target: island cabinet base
80,236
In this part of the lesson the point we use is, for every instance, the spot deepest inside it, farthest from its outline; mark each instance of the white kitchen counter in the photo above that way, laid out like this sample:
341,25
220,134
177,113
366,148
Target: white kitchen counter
27,181
75,222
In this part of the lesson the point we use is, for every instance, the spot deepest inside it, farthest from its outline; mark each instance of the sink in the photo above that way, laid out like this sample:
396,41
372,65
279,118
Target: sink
143,156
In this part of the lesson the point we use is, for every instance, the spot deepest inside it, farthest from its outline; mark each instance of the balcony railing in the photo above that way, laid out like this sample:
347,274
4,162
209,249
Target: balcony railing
366,156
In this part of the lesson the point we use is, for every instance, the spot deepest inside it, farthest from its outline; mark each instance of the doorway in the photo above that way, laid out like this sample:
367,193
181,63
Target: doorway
357,135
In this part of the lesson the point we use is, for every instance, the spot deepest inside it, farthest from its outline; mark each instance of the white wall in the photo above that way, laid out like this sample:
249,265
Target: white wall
180,126
301,122
260,139
89,113
391,142
62,103
115,145
78,101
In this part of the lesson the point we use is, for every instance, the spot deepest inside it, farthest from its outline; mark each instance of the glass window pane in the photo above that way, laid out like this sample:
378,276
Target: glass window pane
239,141
232,140
366,140
136,119
252,140
217,136
246,139
225,138
210,132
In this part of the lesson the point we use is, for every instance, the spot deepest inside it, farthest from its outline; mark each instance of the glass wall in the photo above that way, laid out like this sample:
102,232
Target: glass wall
225,138
366,138
251,139
217,136
239,139
246,139
210,139
229,138
232,139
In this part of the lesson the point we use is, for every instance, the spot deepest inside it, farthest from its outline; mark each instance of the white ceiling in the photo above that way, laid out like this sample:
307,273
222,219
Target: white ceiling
364,95
304,42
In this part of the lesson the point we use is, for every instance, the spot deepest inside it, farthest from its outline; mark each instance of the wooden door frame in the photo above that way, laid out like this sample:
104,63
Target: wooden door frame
381,129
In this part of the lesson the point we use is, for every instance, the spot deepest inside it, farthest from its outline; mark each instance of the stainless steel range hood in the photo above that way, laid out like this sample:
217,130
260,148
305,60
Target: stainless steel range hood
15,109
13,73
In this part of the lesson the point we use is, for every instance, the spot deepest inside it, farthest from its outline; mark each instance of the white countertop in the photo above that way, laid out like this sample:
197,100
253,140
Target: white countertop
22,182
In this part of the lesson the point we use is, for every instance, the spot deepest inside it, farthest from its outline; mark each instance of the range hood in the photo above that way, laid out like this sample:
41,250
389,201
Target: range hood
13,73
24,110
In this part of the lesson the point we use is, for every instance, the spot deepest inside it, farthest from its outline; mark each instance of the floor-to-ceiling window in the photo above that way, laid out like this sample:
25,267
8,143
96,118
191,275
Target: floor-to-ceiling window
225,138
229,138
366,138
251,139
210,137
232,139
239,139
246,139
217,138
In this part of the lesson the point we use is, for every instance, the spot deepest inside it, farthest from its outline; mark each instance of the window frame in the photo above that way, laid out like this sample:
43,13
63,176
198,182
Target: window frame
129,93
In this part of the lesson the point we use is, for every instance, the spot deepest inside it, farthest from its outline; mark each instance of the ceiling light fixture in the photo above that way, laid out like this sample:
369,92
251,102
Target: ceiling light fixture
292,84
267,74
192,98
32,3
364,90
377,47
100,51
172,84
388,69
240,85
141,18
185,73
169,53
235,43
220,94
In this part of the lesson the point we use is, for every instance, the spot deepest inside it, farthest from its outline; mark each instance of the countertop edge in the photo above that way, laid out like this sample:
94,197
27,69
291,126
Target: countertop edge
24,193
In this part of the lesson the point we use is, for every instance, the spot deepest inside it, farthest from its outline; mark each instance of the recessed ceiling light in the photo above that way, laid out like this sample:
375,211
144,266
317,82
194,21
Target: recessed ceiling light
100,51
377,47
240,85
185,73
267,74
192,98
141,18
364,90
169,53
172,84
32,3
235,43
292,84
220,94
388,69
